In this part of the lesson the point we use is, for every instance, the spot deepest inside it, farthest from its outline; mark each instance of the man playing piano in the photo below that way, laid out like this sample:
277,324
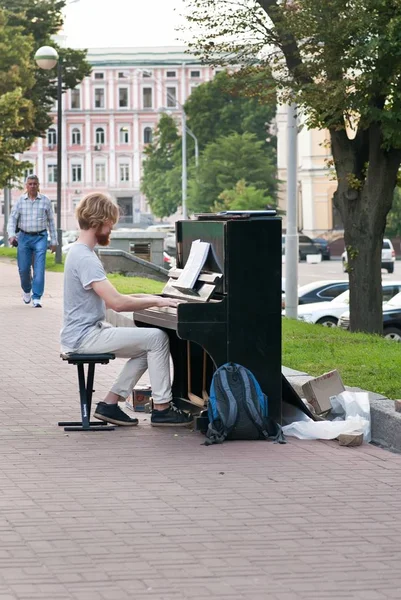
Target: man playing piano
87,293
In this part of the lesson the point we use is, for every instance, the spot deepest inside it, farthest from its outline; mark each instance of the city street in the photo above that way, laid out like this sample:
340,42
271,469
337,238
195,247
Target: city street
332,269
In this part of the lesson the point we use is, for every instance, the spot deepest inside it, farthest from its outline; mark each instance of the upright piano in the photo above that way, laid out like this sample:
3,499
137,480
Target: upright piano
233,311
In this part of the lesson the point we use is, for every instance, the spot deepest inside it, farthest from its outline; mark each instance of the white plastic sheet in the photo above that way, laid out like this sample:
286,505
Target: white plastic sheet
352,410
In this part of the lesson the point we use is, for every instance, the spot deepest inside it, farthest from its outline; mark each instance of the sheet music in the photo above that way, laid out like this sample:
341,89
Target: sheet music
196,260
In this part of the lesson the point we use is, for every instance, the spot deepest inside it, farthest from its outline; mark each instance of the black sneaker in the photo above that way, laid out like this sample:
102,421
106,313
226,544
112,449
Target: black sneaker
171,417
112,413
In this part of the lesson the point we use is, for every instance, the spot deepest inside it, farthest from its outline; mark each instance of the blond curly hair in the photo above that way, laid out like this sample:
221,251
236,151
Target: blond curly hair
95,209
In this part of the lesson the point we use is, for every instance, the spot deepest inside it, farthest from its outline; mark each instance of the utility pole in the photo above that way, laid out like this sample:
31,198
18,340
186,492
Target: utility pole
7,198
291,238
184,163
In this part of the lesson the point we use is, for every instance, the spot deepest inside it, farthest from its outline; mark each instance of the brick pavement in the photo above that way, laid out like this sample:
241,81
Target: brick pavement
154,514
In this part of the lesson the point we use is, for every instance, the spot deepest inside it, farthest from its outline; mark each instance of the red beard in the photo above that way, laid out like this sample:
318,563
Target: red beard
103,239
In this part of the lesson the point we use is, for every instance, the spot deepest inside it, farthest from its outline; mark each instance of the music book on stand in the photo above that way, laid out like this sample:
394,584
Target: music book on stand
194,265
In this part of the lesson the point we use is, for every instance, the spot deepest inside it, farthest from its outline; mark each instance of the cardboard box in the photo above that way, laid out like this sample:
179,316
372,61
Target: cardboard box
140,400
351,439
318,391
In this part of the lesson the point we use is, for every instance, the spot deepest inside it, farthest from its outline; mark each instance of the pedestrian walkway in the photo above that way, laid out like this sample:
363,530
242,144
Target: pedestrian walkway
153,514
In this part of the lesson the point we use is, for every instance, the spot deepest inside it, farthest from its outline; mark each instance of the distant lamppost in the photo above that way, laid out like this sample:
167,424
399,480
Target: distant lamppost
47,58
184,130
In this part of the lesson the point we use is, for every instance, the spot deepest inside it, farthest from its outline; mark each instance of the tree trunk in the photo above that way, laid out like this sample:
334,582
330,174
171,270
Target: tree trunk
366,175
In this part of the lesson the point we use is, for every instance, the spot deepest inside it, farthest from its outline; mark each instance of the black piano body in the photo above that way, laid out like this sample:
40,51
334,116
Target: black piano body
234,312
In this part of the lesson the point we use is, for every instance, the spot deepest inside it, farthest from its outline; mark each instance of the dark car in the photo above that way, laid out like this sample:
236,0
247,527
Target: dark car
320,291
324,247
391,312
392,324
305,246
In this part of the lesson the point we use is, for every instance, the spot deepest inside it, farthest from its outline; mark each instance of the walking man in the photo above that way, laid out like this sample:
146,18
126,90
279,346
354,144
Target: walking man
87,294
32,216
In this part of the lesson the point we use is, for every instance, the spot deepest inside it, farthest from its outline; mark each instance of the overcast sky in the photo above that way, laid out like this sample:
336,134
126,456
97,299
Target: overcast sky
124,23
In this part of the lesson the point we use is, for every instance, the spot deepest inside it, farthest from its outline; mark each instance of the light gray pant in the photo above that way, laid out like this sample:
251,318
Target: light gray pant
147,348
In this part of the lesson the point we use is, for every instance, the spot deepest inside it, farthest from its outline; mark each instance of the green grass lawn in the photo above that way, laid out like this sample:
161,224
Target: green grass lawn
363,360
366,361
135,285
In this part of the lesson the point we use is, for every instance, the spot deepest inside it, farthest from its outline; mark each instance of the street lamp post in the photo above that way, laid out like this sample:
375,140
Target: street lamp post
195,139
184,164
185,130
184,175
47,58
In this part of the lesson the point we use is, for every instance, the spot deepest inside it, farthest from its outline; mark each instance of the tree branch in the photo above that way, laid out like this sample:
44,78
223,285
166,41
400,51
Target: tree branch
286,41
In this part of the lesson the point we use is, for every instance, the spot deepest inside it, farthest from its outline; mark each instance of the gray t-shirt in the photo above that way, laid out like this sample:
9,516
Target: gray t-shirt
83,308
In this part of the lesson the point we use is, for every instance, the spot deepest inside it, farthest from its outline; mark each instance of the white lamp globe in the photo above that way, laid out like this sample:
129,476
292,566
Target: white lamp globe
46,57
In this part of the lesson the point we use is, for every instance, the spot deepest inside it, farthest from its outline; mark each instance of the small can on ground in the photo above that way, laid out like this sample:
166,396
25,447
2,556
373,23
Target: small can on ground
141,400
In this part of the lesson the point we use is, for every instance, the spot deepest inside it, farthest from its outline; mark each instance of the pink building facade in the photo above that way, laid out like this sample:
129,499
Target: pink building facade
107,122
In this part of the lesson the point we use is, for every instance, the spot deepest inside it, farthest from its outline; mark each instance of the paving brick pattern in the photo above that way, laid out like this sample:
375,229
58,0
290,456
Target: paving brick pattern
153,514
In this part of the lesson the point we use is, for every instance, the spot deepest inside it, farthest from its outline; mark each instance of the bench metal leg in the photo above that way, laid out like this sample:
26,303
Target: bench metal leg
85,394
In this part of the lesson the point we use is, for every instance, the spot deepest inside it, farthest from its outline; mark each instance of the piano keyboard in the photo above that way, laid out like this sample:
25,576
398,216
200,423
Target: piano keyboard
170,310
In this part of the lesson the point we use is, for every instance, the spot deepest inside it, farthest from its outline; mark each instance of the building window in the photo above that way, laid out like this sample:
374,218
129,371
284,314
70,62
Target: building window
100,173
147,73
75,99
124,135
99,75
27,172
147,135
147,97
99,98
195,74
76,137
99,135
51,173
171,93
76,171
123,97
124,172
171,74
122,75
51,137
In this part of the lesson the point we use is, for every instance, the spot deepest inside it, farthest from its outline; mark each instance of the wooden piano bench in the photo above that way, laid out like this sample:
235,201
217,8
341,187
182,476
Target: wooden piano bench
86,390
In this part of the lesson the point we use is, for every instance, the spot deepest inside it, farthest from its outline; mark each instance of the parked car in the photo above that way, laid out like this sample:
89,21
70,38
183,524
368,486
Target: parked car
392,324
305,246
388,256
169,262
328,313
320,291
324,247
391,302
169,244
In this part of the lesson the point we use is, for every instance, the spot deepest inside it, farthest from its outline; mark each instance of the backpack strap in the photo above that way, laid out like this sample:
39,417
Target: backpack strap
214,435
263,423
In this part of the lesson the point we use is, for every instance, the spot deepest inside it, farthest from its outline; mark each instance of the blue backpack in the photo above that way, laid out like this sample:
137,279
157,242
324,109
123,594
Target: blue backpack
238,409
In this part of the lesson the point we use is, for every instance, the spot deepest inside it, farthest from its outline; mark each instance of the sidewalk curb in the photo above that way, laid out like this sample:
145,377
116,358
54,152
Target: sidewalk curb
385,421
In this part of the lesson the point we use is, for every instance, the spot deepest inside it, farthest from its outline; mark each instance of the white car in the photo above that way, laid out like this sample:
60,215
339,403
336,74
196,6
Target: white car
388,257
389,302
328,313
319,291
